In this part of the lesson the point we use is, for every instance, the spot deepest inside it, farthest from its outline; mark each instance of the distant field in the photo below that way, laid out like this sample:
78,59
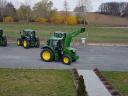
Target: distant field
95,34
24,82
119,80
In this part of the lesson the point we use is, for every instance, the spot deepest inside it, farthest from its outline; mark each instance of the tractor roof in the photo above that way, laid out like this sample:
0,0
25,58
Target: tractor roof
28,30
59,32
55,38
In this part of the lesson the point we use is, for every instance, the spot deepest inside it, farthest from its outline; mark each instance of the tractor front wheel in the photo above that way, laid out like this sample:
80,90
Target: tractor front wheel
18,42
47,55
66,59
26,43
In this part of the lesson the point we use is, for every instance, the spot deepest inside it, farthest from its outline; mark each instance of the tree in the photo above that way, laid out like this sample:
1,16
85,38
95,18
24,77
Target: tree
81,10
2,8
8,19
114,8
110,8
58,19
24,12
71,20
43,9
10,10
124,9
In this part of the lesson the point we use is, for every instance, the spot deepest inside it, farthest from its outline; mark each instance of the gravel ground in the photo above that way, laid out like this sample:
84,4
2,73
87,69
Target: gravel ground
112,58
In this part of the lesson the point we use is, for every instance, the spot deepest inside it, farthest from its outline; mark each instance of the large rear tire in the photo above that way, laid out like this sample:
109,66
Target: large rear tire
47,55
66,59
26,44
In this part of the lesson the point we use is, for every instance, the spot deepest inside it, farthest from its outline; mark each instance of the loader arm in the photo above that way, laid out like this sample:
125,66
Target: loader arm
71,35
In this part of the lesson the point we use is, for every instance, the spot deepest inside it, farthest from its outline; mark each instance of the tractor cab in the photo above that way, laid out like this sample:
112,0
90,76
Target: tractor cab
55,43
28,33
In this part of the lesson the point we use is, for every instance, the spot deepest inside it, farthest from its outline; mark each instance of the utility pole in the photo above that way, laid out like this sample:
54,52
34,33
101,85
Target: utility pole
83,10
66,9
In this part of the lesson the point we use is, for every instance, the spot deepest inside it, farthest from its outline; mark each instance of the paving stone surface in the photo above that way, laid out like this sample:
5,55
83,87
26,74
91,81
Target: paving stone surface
93,84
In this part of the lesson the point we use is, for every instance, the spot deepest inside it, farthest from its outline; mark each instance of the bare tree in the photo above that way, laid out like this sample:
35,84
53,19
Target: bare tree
2,8
81,10
124,9
24,12
10,10
43,8
110,8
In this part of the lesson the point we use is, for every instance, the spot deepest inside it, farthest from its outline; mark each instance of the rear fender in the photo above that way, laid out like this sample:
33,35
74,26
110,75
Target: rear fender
46,47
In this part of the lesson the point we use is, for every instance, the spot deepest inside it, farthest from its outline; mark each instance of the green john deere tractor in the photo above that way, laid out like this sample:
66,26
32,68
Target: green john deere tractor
28,39
58,48
3,39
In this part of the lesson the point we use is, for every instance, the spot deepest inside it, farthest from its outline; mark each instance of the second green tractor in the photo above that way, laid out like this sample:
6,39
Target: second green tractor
28,39
58,47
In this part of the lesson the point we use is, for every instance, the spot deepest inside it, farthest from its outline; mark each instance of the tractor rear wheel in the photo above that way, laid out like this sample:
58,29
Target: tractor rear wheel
26,43
47,55
66,59
19,43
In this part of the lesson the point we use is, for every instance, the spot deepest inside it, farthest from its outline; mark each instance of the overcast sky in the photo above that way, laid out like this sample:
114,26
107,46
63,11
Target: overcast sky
72,3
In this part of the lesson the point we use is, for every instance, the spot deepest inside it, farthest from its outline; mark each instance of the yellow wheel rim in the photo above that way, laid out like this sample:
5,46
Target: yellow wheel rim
46,55
66,60
18,42
25,43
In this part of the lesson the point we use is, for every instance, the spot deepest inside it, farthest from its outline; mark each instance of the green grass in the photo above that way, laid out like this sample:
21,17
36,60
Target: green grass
95,34
119,80
24,82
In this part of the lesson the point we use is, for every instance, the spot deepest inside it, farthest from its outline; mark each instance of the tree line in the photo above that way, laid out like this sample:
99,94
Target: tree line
41,12
114,9
25,12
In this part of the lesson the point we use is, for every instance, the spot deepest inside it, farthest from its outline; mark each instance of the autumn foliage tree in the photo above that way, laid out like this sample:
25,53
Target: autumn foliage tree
41,20
8,19
58,19
42,12
71,20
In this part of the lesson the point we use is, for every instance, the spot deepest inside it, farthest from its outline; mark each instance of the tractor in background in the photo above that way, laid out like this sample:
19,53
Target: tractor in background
28,39
3,38
58,48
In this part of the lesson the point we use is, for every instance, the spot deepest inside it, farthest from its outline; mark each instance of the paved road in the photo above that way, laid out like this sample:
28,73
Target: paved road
104,58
